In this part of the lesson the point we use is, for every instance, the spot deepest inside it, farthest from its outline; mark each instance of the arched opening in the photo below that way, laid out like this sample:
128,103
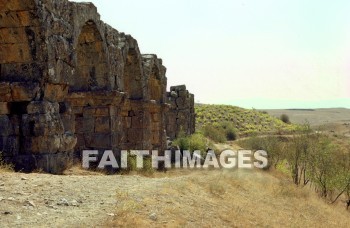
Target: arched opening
92,67
155,85
133,76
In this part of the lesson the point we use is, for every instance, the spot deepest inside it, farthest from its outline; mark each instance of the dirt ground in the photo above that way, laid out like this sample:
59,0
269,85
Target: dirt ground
178,198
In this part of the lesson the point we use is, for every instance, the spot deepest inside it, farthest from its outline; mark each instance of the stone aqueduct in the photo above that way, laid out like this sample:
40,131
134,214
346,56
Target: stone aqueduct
69,82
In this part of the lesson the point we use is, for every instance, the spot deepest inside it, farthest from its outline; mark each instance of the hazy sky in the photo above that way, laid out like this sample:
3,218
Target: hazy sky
249,53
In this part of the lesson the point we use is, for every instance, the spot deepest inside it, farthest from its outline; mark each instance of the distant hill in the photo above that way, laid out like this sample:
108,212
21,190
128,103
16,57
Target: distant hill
315,117
246,121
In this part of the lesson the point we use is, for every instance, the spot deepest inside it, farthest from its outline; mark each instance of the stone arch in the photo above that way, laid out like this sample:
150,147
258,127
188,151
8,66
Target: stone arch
133,75
155,85
92,62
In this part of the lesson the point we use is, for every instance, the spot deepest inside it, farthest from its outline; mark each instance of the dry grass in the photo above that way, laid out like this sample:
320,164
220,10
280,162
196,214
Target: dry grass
4,167
235,198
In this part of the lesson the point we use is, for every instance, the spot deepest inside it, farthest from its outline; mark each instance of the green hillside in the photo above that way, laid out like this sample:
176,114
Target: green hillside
244,121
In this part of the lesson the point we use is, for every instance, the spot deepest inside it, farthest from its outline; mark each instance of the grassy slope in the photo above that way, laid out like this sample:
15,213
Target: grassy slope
246,121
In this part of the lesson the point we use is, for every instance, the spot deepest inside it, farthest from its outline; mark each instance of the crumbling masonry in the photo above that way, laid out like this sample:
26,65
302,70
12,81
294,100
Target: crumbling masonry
70,82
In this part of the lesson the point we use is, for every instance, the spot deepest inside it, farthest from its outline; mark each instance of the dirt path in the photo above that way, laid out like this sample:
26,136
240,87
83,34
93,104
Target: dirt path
178,198
47,200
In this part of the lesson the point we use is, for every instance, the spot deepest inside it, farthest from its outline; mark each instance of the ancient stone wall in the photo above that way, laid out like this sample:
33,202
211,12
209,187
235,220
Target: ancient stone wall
181,115
70,82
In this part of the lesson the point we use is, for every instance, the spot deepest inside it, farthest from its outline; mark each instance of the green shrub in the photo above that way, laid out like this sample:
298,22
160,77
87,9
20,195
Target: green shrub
272,145
182,141
193,142
229,130
214,133
285,118
147,166
197,142
231,134
132,164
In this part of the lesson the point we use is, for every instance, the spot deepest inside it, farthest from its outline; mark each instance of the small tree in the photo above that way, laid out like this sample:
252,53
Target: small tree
285,118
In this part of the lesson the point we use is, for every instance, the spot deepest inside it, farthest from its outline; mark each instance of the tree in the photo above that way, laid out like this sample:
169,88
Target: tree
285,118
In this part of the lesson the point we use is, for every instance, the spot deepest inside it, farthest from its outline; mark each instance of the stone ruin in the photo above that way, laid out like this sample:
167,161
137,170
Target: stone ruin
70,82
181,115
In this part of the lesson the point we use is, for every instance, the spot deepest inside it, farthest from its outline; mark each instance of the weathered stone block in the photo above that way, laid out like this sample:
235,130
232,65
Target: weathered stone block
5,126
115,139
78,102
16,34
155,137
16,5
79,125
68,142
171,128
98,140
18,18
172,102
155,117
124,112
4,108
178,88
127,122
68,123
183,93
42,144
24,91
54,163
5,92
89,112
42,107
183,114
80,140
180,102
20,72
155,126
89,125
77,110
14,52
116,124
102,111
134,135
102,124
55,93
42,125
9,145
136,122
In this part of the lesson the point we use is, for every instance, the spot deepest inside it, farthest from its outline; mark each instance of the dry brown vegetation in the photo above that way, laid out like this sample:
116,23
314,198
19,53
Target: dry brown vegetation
5,167
235,198
177,198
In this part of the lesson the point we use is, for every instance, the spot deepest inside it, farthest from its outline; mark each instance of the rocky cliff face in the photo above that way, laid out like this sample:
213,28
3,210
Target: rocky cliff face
69,82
